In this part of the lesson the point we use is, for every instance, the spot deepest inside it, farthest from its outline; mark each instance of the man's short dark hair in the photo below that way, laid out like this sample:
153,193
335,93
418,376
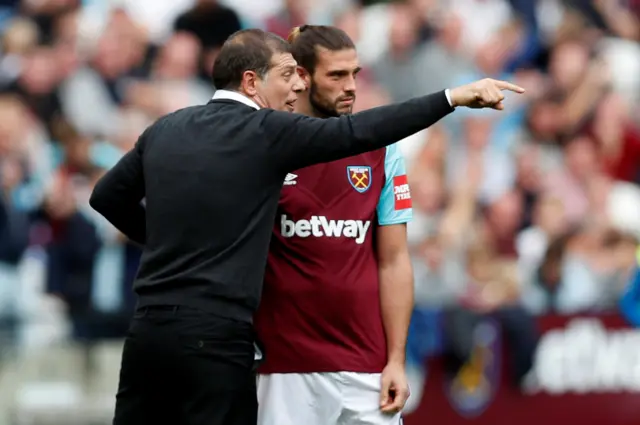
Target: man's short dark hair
246,50
307,39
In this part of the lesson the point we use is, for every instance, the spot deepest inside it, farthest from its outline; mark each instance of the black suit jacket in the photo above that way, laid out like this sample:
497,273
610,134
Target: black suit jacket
211,177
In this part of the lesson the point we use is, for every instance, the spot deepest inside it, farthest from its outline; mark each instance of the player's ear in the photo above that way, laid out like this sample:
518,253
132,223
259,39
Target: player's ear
250,83
304,76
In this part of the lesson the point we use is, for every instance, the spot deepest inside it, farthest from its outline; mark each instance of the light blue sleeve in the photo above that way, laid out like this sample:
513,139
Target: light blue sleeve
394,205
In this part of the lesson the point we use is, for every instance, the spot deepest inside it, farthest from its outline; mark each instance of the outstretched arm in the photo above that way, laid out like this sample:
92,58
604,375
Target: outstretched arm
297,141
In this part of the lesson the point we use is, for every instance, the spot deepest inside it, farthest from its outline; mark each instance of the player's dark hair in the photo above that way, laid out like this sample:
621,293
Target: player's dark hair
246,50
306,40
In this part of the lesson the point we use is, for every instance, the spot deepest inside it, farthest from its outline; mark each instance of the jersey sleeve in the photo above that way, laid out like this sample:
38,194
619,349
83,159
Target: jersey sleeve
394,206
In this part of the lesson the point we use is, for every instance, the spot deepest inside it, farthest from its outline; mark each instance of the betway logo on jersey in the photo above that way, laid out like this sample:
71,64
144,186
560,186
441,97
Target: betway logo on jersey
320,226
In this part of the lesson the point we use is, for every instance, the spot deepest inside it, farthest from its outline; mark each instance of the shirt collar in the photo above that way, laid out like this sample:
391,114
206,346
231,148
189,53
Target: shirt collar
232,95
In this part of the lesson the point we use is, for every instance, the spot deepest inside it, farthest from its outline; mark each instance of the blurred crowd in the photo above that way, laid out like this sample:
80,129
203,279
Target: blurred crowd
528,211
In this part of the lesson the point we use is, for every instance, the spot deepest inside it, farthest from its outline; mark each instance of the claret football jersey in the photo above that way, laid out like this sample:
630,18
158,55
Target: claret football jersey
320,307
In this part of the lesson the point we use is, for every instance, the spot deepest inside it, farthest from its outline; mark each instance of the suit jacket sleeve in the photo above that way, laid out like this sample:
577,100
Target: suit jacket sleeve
118,194
298,141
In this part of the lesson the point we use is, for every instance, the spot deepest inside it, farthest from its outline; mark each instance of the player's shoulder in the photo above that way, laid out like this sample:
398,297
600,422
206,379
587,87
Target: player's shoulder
393,152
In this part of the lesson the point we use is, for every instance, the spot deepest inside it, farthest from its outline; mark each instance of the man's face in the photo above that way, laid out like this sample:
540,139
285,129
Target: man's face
332,87
280,87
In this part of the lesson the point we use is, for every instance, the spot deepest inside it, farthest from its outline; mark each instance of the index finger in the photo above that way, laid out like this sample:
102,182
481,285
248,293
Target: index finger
504,85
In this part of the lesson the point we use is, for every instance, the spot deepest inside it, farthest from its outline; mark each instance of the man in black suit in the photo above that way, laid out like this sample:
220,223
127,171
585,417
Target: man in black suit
211,177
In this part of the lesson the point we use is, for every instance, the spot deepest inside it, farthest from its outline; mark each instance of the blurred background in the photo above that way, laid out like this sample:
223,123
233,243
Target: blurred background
526,221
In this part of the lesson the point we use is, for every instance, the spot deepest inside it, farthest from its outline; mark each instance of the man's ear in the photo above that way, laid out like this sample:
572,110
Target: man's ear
249,84
304,76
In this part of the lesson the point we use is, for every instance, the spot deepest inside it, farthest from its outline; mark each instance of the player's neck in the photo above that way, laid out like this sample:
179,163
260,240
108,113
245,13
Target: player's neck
304,107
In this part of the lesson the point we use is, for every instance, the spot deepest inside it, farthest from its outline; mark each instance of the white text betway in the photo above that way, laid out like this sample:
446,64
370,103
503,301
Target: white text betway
319,226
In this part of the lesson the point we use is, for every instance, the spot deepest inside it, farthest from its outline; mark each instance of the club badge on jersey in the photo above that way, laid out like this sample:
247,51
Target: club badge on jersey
360,177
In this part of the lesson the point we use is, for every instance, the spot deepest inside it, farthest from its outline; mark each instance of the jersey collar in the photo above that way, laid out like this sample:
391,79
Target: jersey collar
232,95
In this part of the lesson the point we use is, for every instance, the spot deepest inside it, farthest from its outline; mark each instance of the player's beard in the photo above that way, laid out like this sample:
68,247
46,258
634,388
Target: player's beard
324,107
